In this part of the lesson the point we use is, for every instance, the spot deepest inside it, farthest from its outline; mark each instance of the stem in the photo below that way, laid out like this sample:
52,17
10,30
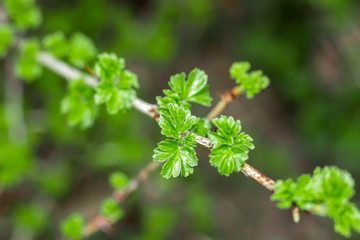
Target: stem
101,222
226,98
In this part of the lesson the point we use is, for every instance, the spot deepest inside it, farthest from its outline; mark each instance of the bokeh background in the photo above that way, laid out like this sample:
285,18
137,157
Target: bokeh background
309,116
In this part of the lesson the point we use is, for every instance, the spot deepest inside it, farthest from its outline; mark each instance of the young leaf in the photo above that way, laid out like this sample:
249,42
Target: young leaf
24,13
56,43
201,127
109,66
73,226
111,210
27,67
174,120
195,89
180,159
326,193
252,82
230,150
6,38
116,87
79,105
346,217
81,50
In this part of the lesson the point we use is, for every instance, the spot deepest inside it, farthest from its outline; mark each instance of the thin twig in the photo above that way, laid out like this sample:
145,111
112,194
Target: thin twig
101,222
226,98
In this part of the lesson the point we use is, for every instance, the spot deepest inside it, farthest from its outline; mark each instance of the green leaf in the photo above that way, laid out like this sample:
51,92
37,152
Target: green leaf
252,82
336,184
175,120
195,89
116,87
118,181
81,50
56,43
111,210
109,66
231,148
79,105
27,66
73,226
346,216
179,159
24,13
121,99
171,97
284,193
326,193
6,38
201,127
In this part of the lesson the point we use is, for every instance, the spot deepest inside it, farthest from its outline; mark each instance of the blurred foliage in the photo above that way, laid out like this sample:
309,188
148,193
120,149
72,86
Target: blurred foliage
283,38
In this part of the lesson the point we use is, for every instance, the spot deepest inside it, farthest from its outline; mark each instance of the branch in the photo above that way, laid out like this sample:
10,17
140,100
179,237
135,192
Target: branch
226,98
101,222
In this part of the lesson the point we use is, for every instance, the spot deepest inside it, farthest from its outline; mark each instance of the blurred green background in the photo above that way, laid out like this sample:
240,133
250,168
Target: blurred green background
309,116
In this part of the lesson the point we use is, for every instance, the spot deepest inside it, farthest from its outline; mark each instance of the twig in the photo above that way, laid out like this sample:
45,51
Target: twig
226,98
101,222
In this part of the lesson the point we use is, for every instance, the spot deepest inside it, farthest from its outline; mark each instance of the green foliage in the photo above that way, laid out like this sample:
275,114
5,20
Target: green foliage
24,13
111,210
30,218
326,193
79,105
118,181
116,87
6,38
231,148
27,66
179,158
73,226
252,82
56,43
175,120
194,89
178,152
201,127
15,162
81,50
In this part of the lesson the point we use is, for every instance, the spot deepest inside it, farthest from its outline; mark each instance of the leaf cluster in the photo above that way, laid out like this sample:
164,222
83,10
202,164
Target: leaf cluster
326,193
24,13
27,66
193,90
250,82
117,84
231,146
178,152
79,104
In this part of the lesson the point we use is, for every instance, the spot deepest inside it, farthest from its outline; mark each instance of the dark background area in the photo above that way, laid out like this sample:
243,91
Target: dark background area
309,115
